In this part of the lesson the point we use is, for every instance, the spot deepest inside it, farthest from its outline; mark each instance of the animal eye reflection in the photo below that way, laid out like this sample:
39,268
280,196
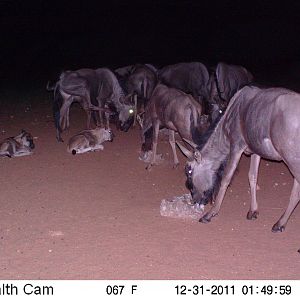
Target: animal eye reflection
188,171
131,111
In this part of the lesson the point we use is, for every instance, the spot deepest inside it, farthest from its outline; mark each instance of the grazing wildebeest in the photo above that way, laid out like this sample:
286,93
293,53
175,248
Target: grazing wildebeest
89,140
224,82
192,78
260,122
19,145
94,90
124,71
140,81
175,110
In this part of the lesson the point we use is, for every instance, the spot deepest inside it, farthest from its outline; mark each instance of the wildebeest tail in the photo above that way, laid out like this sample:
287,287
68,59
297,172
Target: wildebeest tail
57,104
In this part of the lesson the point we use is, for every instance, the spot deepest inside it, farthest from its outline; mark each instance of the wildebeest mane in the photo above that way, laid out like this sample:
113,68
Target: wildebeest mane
218,87
211,193
122,81
201,139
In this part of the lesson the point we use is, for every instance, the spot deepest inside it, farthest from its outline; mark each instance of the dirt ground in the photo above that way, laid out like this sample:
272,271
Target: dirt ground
96,215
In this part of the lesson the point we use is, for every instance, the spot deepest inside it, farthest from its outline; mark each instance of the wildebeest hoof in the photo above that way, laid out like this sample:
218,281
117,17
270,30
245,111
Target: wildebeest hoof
148,168
277,228
298,250
175,166
205,219
252,215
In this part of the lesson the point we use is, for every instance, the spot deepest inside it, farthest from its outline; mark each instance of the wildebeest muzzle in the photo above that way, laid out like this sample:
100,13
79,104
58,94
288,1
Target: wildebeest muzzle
126,125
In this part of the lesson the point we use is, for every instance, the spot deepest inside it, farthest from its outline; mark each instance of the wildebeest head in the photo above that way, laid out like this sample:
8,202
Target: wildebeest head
108,134
25,139
126,114
203,176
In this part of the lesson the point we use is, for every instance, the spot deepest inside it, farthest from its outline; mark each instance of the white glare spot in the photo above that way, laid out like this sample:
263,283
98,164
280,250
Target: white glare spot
131,111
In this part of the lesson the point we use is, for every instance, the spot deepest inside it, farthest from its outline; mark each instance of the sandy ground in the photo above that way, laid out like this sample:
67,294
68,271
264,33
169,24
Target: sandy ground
96,216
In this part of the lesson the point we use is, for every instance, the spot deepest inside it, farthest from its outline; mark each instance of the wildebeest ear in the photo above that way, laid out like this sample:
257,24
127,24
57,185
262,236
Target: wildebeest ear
197,156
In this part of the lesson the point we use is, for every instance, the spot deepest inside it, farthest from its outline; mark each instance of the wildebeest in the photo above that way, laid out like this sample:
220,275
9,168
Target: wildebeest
94,90
140,81
260,122
124,71
224,82
175,110
189,77
19,145
89,140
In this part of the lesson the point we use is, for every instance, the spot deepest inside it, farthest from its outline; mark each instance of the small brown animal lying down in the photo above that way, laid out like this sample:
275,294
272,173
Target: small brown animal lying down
19,145
89,140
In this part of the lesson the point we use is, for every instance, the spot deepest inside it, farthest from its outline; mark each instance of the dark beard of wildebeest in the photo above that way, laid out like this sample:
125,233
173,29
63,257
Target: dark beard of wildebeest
201,139
210,194
258,122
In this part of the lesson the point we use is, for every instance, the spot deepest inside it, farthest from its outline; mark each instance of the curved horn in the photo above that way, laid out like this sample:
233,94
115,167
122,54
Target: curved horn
191,143
185,151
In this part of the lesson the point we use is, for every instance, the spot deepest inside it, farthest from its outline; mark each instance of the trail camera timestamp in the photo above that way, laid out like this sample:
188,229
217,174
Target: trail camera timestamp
233,290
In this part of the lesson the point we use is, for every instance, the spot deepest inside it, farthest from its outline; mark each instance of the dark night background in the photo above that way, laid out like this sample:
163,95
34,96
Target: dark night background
39,39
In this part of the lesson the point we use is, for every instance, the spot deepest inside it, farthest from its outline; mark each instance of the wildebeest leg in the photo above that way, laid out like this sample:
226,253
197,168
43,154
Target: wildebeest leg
154,144
294,199
252,176
88,118
64,114
58,135
68,118
229,171
107,119
86,104
101,117
173,146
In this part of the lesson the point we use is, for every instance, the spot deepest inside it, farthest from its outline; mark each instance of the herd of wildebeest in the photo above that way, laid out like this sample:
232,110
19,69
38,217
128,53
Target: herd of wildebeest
219,114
